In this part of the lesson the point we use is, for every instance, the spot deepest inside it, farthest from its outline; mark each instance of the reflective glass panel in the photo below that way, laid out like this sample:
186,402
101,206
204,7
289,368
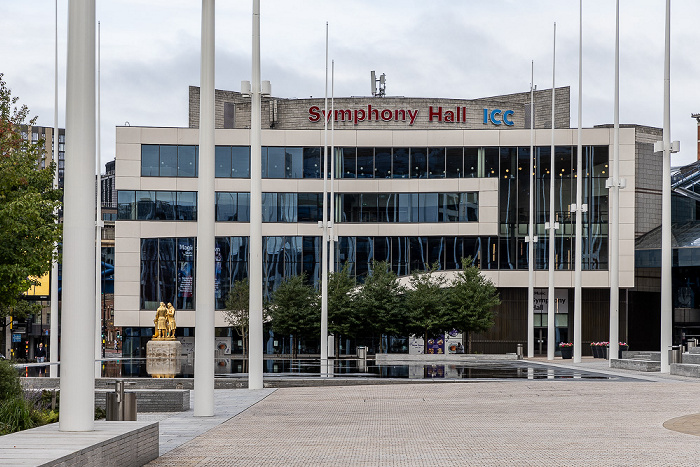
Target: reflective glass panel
312,162
187,205
365,162
168,161
226,207
401,163
428,203
436,163
382,163
269,207
243,207
145,205
454,163
240,162
275,162
309,207
294,163
471,162
126,205
222,156
186,161
165,205
150,160
287,207
419,163
348,160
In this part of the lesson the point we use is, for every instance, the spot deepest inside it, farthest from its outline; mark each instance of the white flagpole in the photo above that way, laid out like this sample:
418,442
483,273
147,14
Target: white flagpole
324,239
550,297
255,349
53,337
98,231
531,228
614,192
204,292
666,247
579,200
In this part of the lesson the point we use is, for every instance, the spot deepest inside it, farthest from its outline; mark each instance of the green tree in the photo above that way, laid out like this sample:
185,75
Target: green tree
471,302
28,203
237,310
425,301
341,316
295,310
378,303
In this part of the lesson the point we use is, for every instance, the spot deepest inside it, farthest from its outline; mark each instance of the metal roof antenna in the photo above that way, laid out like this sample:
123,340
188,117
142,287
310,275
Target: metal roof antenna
381,92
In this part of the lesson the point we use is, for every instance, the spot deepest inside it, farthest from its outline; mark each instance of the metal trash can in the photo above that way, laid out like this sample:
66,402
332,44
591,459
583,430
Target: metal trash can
362,352
692,343
121,405
676,354
519,351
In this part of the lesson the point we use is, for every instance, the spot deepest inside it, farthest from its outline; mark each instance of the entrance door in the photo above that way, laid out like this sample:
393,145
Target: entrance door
540,341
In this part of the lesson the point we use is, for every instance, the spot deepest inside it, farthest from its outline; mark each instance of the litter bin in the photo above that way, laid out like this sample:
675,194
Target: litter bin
676,354
519,351
362,352
121,405
692,343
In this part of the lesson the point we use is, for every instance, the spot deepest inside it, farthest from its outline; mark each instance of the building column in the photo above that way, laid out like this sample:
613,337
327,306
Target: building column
78,316
204,314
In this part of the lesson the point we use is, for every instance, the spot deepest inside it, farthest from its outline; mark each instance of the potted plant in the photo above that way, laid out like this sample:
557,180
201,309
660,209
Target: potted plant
604,347
567,349
595,349
623,347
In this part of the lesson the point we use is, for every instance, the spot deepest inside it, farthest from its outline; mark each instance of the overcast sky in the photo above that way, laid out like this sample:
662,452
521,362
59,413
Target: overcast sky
442,48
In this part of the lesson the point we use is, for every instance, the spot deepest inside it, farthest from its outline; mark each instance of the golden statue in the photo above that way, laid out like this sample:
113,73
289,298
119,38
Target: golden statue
160,322
171,321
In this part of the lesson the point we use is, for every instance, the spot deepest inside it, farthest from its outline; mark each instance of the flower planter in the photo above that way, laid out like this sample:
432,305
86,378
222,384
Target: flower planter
622,348
596,351
567,352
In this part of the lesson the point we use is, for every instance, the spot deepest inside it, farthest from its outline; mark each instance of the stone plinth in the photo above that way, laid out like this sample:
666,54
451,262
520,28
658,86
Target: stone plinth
163,358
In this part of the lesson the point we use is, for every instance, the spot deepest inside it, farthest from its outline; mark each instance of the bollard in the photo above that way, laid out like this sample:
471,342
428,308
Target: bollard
519,351
121,405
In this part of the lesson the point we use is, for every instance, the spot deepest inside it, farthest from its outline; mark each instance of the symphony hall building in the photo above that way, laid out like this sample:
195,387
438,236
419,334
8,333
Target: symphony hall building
417,181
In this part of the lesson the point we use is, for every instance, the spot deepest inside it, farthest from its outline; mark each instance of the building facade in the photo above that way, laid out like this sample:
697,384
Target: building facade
417,181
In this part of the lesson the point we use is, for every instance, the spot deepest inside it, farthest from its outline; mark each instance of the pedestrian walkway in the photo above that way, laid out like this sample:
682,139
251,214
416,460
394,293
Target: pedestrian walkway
515,422
177,428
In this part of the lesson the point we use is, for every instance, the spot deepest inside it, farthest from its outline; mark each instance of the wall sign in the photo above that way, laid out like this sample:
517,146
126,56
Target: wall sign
435,114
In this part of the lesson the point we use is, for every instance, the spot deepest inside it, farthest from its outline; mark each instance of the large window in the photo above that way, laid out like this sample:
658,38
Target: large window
167,272
169,160
408,207
145,205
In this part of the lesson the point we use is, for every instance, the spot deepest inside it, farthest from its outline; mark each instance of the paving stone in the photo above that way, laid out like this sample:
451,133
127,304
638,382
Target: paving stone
517,422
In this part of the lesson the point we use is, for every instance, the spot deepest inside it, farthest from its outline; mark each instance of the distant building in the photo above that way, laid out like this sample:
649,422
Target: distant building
418,181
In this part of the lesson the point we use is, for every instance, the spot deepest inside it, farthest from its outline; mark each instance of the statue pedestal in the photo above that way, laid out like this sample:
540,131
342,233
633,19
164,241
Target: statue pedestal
163,358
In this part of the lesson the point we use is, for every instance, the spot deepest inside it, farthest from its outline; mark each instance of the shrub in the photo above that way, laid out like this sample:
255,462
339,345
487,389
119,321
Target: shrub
9,382
15,415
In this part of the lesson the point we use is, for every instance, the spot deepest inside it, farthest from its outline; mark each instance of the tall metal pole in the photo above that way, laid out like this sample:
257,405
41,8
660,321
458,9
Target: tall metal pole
531,228
324,241
579,200
53,336
98,230
204,294
614,184
78,317
550,296
331,225
666,251
255,304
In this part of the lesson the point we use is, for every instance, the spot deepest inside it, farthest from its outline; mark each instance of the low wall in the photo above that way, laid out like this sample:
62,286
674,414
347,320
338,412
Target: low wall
636,365
111,443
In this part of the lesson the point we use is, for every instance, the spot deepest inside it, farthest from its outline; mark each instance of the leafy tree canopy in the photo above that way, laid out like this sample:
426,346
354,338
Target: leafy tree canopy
342,318
425,303
28,204
471,301
295,309
379,302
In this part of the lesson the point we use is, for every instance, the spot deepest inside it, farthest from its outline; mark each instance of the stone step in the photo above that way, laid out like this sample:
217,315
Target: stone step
694,350
691,358
685,369
637,365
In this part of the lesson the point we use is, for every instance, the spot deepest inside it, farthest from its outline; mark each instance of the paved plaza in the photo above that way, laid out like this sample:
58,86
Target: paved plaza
635,419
